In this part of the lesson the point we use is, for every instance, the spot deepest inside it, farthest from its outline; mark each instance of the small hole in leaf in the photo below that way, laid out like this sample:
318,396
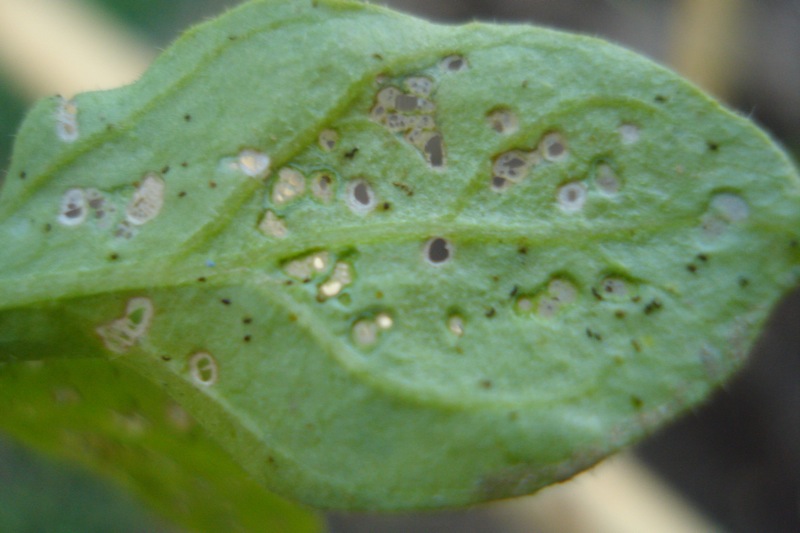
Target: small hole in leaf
328,140
360,197
454,63
572,197
438,251
203,369
554,148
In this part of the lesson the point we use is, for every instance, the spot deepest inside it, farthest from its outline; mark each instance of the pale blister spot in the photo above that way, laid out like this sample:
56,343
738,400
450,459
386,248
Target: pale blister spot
67,120
572,197
122,334
323,187
503,121
291,185
456,325
103,209
360,198
365,333
553,147
524,304
615,288
253,163
559,294
629,133
307,267
203,369
512,167
730,207
384,321
607,180
273,226
147,201
341,277
438,251
328,139
73,210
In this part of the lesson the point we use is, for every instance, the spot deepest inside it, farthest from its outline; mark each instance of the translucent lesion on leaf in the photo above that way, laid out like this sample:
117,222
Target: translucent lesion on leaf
147,200
290,185
323,187
548,302
606,179
725,209
253,163
272,225
629,133
67,120
366,332
121,334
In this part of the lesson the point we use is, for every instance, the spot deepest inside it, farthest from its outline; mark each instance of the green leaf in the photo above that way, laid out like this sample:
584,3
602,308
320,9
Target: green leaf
388,264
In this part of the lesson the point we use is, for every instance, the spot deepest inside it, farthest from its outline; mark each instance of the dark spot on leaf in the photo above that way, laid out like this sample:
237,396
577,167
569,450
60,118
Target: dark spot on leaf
636,345
212,184
652,307
226,301
288,283
486,383
48,228
247,320
379,295
292,318
165,170
619,313
23,175
232,37
712,146
248,338
499,182
522,250
184,164
593,335
702,257
636,402
378,57
181,194
491,312
596,294
691,267
113,257
514,291
524,84
351,154
166,358
361,193
387,206
744,282
187,117
661,99
201,279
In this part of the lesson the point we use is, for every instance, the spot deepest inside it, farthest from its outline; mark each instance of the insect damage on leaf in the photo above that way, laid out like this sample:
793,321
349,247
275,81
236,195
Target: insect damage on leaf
457,261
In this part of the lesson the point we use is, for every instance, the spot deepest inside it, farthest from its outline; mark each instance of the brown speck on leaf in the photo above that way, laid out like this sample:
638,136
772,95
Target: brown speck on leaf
187,117
248,338
619,313
247,320
486,383
691,267
744,282
523,250
636,345
201,279
226,301
182,194
702,257
292,318
491,312
23,175
351,154
403,187
113,257
166,358
660,98
212,184
514,291
597,294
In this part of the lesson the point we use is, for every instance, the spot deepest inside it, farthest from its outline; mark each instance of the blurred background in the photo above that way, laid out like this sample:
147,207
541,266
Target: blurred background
736,460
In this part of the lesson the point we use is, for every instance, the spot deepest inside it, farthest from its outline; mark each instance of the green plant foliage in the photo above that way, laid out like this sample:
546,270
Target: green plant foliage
385,264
